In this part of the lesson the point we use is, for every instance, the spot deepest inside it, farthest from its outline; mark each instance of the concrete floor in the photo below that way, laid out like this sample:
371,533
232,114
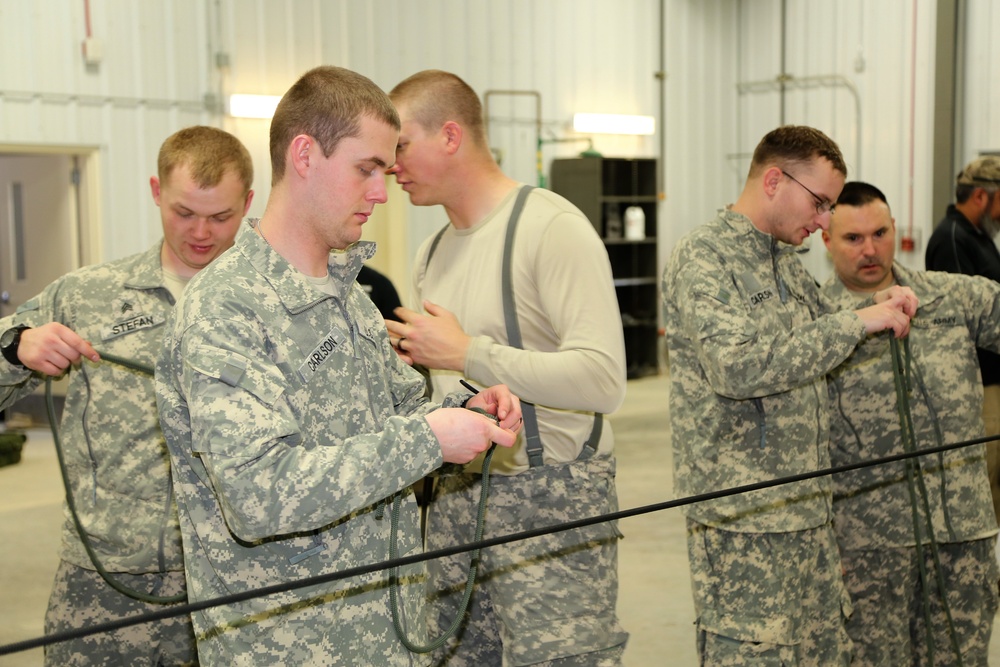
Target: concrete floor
655,598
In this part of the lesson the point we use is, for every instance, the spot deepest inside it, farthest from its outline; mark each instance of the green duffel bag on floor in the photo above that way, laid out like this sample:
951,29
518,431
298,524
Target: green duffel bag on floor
11,443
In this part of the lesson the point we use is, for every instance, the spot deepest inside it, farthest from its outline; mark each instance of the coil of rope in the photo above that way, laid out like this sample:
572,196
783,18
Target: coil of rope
192,607
902,371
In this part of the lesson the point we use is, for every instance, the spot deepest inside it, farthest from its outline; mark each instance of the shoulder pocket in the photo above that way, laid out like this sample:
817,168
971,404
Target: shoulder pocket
27,306
265,383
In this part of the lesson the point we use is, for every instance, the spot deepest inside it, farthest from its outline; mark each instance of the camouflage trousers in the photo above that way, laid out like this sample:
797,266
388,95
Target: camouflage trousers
81,598
317,626
889,625
549,600
768,598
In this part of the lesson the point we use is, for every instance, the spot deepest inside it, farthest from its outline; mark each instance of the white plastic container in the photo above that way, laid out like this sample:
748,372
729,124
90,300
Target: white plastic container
635,223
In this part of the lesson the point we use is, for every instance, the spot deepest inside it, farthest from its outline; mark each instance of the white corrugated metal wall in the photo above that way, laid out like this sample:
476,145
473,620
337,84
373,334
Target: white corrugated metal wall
722,58
853,70
980,102
577,55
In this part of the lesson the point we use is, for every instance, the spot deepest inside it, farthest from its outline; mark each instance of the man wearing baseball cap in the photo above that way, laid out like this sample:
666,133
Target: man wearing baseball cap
963,243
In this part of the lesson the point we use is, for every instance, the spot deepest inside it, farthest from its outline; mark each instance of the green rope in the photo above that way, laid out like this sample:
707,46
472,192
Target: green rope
901,370
127,363
71,504
473,565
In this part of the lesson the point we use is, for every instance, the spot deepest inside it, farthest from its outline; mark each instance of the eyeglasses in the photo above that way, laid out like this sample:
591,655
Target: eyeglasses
822,205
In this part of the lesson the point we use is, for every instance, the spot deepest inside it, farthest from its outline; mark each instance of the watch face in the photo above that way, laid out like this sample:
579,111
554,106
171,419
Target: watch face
8,337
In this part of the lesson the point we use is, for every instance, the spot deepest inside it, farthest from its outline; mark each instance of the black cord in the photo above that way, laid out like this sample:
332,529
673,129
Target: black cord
463,548
470,580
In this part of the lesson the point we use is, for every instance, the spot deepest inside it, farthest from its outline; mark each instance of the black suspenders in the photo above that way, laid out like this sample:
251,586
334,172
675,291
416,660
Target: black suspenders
533,442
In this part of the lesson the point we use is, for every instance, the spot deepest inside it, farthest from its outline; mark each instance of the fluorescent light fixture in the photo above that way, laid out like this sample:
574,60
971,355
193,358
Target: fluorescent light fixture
253,106
612,123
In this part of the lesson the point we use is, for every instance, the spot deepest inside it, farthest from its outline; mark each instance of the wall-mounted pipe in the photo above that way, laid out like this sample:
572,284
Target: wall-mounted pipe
783,72
538,123
784,82
661,77
116,101
574,140
907,239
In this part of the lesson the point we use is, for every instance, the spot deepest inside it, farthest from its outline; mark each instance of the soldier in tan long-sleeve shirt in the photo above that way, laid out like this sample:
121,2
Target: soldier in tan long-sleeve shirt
533,605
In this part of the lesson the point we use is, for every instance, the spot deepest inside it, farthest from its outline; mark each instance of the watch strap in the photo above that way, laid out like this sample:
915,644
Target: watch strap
9,348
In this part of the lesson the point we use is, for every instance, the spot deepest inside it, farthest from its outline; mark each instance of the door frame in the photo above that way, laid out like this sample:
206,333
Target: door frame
87,231
90,249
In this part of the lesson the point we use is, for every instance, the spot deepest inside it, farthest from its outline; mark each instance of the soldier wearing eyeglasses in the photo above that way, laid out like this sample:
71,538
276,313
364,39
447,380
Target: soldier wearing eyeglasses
749,347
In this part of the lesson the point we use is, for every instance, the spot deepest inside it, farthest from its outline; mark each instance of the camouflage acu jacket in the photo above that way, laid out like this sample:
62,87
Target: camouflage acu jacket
115,455
748,354
289,418
872,506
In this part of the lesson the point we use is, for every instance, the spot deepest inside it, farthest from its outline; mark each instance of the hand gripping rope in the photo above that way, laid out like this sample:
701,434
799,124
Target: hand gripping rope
473,564
473,559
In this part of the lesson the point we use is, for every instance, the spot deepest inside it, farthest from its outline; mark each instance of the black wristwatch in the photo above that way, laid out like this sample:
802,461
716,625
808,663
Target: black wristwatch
9,342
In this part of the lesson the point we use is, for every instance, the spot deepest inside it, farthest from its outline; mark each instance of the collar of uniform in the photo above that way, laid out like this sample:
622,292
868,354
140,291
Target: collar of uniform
296,294
903,276
835,289
345,265
146,272
763,244
909,278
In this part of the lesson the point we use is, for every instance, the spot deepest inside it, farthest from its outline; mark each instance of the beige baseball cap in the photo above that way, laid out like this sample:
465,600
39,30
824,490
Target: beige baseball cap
982,171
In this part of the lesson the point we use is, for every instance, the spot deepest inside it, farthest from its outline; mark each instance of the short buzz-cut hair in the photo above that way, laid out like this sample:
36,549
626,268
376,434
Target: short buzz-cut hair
791,145
327,104
433,97
208,153
859,193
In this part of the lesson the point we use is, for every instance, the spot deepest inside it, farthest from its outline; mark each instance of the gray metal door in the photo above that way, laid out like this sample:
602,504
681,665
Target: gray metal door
39,238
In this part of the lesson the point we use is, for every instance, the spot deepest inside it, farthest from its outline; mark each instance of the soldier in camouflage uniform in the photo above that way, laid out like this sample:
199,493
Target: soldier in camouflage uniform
749,351
531,605
116,460
963,242
876,508
289,418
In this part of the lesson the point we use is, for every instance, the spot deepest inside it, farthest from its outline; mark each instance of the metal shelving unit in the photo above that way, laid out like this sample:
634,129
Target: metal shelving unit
603,188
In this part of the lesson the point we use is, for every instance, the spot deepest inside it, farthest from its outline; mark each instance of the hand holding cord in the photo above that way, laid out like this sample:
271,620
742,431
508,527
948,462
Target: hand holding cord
473,555
51,353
